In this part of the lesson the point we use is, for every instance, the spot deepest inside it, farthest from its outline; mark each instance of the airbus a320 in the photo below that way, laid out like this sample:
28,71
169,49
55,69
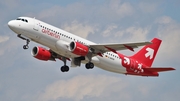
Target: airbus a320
69,47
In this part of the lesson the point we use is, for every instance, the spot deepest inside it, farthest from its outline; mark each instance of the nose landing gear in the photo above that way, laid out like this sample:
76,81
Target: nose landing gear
27,41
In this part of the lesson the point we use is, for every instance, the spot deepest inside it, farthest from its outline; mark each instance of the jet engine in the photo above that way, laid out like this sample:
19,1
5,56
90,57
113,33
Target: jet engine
41,53
79,49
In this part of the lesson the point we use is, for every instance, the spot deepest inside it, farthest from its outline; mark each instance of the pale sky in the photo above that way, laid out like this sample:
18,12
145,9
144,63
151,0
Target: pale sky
24,78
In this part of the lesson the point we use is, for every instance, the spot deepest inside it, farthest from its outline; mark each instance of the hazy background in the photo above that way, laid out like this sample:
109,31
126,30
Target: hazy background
24,78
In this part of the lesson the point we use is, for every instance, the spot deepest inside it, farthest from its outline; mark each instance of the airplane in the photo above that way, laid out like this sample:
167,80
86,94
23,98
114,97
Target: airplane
69,47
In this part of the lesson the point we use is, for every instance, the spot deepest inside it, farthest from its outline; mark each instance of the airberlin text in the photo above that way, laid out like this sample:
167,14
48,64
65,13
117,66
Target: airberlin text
55,35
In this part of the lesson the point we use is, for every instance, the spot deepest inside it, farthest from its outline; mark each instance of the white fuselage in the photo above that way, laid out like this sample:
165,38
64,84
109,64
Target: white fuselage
50,36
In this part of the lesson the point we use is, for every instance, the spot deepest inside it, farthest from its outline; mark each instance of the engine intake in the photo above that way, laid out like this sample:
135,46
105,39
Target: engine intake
79,49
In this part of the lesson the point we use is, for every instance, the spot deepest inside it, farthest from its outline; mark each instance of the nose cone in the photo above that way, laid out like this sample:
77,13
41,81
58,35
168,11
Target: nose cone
12,24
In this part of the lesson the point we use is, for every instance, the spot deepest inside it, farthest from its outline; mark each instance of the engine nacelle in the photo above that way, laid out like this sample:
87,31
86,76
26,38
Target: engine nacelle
41,53
79,49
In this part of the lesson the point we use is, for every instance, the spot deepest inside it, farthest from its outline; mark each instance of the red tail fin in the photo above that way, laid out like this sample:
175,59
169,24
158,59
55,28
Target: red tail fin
147,54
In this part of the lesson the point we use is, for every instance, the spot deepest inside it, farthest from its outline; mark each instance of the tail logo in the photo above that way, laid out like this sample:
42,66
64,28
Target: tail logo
126,60
150,53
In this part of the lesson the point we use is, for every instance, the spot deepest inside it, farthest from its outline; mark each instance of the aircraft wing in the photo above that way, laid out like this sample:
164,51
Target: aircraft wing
102,48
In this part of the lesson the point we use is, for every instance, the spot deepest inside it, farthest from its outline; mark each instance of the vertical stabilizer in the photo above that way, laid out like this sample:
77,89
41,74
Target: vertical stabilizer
148,53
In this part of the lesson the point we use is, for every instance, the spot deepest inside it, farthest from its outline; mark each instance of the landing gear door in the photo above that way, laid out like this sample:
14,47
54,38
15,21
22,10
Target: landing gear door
36,25
75,62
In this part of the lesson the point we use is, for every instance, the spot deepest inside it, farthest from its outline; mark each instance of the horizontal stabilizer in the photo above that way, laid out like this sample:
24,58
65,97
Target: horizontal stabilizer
154,69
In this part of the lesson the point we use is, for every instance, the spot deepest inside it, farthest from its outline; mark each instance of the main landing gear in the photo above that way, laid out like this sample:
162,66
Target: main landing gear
89,65
64,68
27,41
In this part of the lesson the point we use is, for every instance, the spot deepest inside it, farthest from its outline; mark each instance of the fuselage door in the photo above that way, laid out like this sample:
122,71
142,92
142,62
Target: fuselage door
36,25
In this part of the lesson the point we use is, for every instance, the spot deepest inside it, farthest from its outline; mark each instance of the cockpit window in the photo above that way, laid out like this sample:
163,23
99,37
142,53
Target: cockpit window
24,20
18,19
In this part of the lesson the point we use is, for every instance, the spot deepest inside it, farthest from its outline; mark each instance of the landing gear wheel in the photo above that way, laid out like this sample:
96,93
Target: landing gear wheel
89,65
25,47
64,68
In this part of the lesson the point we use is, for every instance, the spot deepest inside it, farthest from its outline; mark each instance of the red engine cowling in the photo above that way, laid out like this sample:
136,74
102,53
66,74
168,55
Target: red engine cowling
41,53
79,49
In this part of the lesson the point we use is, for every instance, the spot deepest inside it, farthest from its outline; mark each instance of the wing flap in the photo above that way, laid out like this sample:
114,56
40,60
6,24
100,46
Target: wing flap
163,69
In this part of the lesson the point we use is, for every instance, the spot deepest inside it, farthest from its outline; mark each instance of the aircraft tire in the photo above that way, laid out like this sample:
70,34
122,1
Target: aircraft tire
64,68
89,65
25,47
